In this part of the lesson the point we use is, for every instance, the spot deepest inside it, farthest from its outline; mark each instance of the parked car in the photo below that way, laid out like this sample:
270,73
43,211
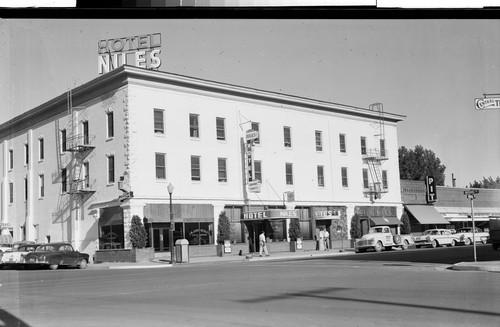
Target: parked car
465,235
436,237
16,257
5,247
380,237
55,255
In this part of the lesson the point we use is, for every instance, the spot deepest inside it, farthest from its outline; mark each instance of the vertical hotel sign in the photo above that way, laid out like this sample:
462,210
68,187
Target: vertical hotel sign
141,51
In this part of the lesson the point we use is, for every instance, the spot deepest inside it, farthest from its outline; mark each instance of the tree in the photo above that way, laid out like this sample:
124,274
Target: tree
416,164
486,183
137,233
355,227
294,230
224,229
406,227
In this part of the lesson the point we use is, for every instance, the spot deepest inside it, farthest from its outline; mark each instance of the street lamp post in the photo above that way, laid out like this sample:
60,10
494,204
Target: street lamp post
471,195
170,189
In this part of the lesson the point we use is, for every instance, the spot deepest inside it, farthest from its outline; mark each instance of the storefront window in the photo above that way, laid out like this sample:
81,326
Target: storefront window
111,232
278,232
198,233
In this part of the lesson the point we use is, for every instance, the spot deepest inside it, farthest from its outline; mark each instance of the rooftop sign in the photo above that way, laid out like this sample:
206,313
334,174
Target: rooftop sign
140,51
487,103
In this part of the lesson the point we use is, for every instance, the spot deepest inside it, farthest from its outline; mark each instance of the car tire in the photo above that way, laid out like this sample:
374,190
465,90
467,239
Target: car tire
53,266
378,247
82,264
467,241
405,245
434,244
484,241
397,239
418,246
453,243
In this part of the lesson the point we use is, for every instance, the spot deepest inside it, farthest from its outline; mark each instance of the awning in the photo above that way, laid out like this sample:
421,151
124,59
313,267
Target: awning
378,221
426,214
5,239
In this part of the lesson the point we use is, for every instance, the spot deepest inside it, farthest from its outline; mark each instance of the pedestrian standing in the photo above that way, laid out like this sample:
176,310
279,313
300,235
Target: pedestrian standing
263,244
326,237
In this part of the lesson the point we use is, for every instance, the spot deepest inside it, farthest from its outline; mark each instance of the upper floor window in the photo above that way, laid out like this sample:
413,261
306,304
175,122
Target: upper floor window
345,182
222,169
86,175
159,123
110,124
64,180
194,127
319,140
363,145
257,168
11,192
195,168
289,173
161,170
256,127
321,176
41,186
11,159
85,130
385,183
287,136
41,149
26,154
382,148
343,148
365,178
111,169
220,128
26,188
63,140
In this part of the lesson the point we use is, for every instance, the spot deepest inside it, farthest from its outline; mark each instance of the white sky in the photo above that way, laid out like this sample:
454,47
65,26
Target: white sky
428,70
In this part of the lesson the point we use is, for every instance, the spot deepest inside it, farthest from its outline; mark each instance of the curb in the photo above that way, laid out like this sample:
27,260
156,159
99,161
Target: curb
492,266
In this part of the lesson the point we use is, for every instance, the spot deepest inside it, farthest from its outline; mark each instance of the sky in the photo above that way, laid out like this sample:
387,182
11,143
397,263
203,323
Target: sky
429,70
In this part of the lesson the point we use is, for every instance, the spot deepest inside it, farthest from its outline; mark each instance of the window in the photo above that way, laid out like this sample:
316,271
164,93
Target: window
110,124
287,135
195,168
63,140
11,159
111,169
319,141
382,148
26,154
222,168
41,149
321,176
344,177
85,130
289,173
194,128
255,127
11,192
161,170
41,186
25,188
363,145
159,122
220,127
86,175
257,167
64,180
385,184
342,143
365,178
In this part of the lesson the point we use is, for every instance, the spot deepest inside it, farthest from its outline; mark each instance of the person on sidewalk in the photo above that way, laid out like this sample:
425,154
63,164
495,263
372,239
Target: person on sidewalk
326,238
263,244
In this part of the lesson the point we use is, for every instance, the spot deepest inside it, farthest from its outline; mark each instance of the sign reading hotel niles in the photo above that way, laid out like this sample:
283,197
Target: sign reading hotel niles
140,51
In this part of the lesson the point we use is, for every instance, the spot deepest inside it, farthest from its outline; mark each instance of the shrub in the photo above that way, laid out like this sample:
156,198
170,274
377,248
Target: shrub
356,231
294,230
406,227
138,234
224,229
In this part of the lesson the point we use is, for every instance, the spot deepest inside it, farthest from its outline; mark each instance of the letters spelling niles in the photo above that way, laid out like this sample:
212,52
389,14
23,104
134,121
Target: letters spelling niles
130,43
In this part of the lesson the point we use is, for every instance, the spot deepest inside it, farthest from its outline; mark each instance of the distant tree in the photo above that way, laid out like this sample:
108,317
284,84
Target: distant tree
355,230
224,230
406,227
137,233
486,183
416,164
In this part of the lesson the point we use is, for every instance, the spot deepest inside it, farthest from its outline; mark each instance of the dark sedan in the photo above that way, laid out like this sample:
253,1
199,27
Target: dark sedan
55,255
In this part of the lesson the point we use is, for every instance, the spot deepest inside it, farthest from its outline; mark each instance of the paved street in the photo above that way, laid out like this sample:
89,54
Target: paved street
319,292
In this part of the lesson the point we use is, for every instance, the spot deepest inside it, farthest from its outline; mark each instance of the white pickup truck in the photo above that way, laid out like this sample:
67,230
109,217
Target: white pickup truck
380,237
465,235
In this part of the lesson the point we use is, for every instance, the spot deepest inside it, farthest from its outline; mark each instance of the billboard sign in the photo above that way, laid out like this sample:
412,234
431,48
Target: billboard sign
487,103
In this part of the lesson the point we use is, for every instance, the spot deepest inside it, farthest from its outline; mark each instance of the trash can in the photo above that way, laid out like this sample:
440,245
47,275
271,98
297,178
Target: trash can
182,251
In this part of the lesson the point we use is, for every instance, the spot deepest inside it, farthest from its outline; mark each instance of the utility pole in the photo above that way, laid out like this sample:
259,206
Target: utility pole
471,195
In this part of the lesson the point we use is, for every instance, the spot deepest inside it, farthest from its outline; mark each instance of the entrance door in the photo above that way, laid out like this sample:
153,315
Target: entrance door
161,239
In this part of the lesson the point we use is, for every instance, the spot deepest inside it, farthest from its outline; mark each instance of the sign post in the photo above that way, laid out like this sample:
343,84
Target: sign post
471,195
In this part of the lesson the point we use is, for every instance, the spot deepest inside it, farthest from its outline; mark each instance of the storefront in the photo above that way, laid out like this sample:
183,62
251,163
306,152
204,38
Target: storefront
111,231
378,216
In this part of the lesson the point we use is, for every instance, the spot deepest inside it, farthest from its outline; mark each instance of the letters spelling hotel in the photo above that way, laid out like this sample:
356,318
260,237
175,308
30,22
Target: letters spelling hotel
79,167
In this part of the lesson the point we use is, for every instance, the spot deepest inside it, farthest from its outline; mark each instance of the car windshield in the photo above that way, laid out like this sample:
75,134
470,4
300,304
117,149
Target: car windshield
376,230
42,248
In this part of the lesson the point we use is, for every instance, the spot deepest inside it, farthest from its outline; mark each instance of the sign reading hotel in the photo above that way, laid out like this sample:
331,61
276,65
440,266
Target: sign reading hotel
487,103
141,51
271,214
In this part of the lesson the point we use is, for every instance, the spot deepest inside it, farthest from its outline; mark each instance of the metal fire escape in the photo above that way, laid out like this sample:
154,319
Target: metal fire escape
375,157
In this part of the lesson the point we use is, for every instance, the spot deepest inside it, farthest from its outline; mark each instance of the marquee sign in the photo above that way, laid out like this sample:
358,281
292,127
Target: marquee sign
140,51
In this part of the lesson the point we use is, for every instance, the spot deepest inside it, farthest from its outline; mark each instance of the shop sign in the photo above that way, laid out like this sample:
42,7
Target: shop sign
140,51
430,183
249,160
271,214
5,225
328,214
256,215
254,186
375,211
487,103
251,135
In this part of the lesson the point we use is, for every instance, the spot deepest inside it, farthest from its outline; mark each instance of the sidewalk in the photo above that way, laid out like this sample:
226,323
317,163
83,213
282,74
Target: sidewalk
164,262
